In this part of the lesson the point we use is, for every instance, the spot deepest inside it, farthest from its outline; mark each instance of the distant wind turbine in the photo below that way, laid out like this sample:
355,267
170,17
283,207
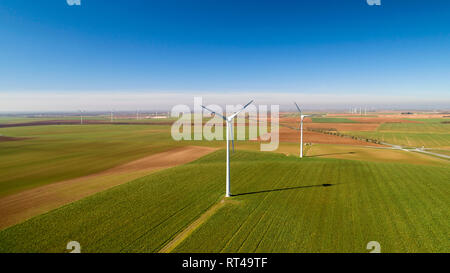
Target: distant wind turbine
81,117
301,128
229,132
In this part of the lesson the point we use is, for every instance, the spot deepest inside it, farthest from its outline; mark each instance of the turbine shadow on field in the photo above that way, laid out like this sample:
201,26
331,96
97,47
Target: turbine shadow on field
284,189
348,153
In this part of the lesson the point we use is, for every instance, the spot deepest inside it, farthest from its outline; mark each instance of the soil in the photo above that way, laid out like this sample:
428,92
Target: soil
18,207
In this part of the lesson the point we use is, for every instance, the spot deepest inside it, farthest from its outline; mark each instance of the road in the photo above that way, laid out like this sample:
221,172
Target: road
419,150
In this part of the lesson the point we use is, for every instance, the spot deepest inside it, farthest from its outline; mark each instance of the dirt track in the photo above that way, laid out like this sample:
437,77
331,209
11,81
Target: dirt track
18,207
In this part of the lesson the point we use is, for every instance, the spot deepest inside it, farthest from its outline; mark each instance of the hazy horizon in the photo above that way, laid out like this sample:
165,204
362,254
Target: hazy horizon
127,101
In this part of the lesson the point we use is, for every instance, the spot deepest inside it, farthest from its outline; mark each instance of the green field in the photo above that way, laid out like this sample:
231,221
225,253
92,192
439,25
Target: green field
54,153
430,126
280,205
432,133
11,120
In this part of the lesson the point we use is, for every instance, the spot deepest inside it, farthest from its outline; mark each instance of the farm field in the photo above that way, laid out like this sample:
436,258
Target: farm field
353,152
280,204
428,130
440,151
202,127
430,134
309,210
18,207
49,154
331,120
75,182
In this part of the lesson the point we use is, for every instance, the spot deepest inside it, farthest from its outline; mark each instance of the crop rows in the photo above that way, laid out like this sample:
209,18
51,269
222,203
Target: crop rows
280,204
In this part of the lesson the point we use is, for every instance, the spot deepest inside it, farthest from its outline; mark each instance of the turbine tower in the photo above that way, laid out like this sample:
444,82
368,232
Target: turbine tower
81,117
301,129
229,132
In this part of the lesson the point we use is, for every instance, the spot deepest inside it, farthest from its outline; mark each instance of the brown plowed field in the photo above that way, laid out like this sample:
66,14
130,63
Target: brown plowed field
419,116
18,207
392,116
344,126
294,122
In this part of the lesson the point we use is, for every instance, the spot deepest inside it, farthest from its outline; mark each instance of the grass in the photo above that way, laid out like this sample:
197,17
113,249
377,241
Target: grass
428,134
429,127
104,118
11,120
280,205
430,120
353,152
56,153
138,216
285,208
431,140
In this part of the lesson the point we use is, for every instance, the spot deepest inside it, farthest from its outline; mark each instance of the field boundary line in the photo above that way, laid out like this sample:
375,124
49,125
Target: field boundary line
180,237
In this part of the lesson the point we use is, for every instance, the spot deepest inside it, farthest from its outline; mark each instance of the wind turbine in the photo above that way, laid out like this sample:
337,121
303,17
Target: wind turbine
112,116
81,117
229,132
301,129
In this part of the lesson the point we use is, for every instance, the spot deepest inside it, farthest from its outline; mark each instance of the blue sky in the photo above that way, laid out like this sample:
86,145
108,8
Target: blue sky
401,48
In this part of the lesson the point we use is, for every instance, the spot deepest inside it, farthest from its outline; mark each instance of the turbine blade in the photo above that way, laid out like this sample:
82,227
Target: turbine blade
214,112
247,105
236,113
298,108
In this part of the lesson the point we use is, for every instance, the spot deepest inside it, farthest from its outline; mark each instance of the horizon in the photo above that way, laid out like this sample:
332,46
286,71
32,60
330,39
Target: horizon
130,102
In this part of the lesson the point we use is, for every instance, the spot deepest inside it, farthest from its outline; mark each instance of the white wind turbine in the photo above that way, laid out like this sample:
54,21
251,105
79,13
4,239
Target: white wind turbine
301,129
229,132
81,116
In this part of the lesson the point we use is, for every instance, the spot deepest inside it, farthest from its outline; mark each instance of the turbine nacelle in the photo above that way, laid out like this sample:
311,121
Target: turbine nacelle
304,116
229,119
